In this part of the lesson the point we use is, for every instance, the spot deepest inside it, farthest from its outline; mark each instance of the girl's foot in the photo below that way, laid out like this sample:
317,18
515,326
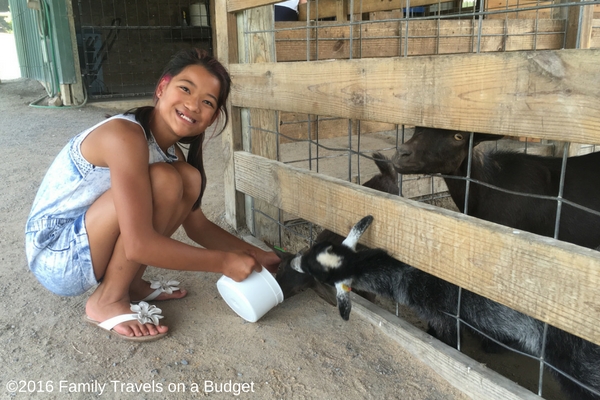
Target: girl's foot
142,290
100,307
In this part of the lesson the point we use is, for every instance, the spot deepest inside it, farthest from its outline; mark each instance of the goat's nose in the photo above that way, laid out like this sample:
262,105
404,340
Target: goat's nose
403,152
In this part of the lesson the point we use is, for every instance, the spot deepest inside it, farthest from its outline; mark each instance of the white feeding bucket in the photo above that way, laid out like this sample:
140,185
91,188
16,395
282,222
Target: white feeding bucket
253,297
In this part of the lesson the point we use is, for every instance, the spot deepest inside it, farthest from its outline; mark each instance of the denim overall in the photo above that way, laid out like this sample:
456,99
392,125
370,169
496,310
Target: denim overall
56,241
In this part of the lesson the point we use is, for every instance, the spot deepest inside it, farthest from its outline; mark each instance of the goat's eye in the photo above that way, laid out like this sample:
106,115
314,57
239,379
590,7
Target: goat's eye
458,136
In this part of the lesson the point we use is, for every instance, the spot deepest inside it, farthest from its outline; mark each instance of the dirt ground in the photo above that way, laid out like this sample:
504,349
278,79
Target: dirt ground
302,349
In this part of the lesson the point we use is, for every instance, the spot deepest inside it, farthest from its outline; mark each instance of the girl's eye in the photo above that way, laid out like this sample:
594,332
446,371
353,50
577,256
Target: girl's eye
207,102
458,136
185,89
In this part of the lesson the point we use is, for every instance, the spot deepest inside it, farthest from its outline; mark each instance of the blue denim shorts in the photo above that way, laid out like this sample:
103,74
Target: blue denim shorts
58,251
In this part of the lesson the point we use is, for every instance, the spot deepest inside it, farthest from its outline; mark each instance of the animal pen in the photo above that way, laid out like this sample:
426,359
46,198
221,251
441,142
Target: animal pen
312,100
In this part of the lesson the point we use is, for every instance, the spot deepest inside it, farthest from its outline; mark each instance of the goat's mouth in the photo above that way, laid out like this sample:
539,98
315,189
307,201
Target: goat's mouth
407,167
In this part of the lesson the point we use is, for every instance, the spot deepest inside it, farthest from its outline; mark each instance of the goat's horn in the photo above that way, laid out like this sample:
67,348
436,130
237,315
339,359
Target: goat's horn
295,264
357,231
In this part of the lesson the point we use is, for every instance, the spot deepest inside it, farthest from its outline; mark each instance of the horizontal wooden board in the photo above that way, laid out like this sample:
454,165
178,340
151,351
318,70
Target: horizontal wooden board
550,280
544,95
296,42
509,9
240,5
328,8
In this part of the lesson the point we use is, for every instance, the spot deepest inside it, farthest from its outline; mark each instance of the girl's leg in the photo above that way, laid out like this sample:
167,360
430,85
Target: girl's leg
139,288
175,187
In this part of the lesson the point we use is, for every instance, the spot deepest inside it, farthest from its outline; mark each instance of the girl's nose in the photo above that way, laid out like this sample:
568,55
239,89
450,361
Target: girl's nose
192,104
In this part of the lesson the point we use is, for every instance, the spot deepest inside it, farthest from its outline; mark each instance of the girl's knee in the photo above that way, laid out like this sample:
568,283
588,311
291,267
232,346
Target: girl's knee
174,182
191,180
166,182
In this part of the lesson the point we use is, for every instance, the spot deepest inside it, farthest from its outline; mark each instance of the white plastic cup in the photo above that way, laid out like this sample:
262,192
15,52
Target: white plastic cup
253,297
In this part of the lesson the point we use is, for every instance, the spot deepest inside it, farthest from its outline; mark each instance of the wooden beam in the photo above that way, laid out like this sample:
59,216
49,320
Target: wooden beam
226,50
510,9
241,5
259,47
552,281
544,95
579,26
330,8
459,370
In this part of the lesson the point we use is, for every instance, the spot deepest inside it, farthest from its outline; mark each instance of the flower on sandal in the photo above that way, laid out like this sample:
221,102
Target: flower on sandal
165,286
146,313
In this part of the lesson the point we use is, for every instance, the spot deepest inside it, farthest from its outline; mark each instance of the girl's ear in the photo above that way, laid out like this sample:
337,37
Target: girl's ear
161,87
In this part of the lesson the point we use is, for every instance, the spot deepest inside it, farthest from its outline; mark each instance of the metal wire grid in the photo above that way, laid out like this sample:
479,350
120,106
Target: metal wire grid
507,33
353,151
123,46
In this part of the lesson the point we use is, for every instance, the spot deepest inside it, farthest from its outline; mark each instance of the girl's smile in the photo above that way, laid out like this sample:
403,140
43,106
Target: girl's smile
185,117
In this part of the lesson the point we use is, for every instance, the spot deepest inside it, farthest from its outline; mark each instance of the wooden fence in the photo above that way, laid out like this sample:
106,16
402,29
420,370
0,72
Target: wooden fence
551,94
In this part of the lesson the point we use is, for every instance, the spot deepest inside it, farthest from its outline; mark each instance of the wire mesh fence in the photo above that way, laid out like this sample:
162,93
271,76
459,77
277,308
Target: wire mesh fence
122,45
344,148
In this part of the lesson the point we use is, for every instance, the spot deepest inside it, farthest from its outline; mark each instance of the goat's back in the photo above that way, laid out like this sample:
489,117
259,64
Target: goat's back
531,174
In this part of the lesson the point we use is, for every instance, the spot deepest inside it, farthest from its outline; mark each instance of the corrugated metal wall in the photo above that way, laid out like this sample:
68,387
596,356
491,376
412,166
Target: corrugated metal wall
44,44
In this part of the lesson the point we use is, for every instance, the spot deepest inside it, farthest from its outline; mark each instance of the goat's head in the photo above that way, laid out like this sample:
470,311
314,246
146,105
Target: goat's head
326,262
431,151
291,281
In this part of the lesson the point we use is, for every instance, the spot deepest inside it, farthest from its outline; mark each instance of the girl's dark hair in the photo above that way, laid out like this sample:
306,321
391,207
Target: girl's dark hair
178,63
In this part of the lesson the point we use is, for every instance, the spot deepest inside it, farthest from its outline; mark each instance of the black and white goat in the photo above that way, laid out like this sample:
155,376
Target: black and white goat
291,282
435,300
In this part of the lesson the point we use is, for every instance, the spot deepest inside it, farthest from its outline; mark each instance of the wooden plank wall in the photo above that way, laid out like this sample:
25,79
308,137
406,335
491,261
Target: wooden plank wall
508,93
427,37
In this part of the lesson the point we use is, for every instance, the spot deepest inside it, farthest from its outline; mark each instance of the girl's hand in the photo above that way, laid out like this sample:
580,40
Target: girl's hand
238,266
267,259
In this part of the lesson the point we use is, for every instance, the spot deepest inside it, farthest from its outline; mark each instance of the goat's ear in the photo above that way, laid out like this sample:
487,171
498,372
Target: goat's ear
296,264
343,299
357,231
485,137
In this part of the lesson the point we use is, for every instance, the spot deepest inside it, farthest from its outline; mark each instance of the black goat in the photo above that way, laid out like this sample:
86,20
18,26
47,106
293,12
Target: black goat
443,151
292,282
435,300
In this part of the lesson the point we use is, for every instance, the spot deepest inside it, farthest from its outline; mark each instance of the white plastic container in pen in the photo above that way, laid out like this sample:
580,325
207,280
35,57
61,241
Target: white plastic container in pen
253,297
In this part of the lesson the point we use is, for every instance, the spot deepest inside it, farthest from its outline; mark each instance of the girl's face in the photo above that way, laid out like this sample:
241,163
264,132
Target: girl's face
188,102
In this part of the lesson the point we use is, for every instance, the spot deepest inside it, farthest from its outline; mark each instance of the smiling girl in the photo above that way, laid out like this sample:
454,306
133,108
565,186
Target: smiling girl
115,194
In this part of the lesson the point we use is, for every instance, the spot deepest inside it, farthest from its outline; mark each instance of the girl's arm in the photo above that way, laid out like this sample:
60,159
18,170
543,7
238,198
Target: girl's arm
122,147
209,235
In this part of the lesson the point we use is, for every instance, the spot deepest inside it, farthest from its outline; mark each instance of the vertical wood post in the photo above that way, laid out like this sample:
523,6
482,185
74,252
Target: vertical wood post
579,26
578,36
260,125
226,50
